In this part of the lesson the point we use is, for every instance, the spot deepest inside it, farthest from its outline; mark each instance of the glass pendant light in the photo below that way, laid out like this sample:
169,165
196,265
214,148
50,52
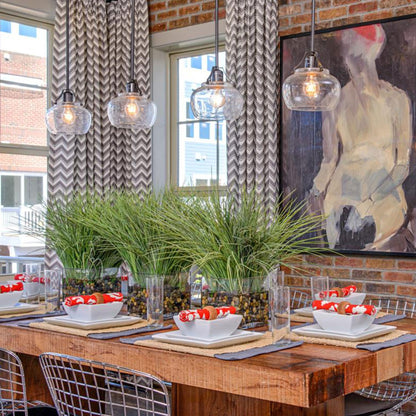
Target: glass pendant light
67,116
216,99
130,109
311,88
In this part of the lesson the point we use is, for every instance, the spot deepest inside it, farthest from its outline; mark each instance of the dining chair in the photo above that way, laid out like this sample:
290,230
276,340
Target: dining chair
389,395
13,398
81,387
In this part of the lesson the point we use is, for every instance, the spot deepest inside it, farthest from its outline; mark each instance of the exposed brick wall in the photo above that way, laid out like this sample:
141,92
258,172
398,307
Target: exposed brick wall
382,276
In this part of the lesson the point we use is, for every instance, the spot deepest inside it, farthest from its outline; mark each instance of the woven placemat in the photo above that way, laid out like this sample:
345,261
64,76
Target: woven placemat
40,309
84,332
207,352
349,344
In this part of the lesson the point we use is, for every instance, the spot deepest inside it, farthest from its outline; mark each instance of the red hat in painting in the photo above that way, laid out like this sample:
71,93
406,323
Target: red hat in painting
372,33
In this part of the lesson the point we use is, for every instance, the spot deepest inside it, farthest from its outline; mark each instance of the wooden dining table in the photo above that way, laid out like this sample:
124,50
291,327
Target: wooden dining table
310,379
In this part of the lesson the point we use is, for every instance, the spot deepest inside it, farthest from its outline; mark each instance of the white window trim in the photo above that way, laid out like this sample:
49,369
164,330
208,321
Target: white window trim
162,44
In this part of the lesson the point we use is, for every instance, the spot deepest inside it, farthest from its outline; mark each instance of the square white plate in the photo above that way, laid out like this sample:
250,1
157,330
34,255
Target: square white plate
316,331
120,320
18,308
238,337
307,311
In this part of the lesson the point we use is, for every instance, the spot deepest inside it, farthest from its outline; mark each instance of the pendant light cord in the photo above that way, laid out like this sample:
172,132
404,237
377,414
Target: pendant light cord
216,32
132,43
313,27
67,44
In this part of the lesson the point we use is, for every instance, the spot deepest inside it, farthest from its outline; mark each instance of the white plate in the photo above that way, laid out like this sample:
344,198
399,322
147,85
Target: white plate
304,311
18,308
316,331
121,320
238,337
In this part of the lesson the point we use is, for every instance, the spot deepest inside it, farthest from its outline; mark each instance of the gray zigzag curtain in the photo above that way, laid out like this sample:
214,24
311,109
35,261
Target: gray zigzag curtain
253,66
99,69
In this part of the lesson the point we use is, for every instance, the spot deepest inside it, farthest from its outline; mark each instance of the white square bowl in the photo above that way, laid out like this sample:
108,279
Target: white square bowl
9,299
343,324
91,313
356,298
203,329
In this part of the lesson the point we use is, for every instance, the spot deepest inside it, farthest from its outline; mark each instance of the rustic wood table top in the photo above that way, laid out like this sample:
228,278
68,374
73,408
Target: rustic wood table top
305,376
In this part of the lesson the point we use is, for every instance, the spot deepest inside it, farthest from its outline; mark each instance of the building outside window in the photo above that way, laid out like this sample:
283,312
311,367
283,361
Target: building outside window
198,148
24,98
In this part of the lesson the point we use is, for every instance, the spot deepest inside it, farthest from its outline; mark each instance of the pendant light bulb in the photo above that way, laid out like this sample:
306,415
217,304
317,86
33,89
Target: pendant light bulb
67,116
311,88
131,110
217,99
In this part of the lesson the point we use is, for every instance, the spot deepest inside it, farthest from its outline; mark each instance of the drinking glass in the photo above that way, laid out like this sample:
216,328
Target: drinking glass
53,282
319,288
276,277
154,290
279,306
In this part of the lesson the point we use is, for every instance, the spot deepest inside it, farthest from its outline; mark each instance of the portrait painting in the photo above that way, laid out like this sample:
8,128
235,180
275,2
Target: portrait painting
356,164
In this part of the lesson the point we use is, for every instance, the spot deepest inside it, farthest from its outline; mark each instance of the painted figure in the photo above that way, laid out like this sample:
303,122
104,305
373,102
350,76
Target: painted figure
366,146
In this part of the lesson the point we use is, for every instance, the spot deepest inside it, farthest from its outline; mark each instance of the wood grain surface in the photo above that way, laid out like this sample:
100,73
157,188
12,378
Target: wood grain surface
307,380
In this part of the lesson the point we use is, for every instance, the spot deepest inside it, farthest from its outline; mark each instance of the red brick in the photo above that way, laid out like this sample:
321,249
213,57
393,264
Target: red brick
406,291
366,275
179,23
379,288
342,2
210,5
320,4
377,263
377,16
398,277
350,20
322,260
295,281
157,6
362,7
175,3
291,31
166,15
202,18
389,4
189,10
406,265
306,271
402,11
158,27
284,22
300,18
290,10
332,13
337,273
349,261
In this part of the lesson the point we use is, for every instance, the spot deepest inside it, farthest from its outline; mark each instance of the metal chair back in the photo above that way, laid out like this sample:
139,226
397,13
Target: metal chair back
12,384
402,387
82,387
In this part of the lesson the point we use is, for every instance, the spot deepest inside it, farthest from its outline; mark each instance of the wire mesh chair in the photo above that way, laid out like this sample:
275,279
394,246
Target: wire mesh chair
398,390
82,387
300,299
13,398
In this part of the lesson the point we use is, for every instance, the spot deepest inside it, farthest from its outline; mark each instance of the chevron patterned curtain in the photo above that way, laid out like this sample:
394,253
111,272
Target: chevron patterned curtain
99,69
252,56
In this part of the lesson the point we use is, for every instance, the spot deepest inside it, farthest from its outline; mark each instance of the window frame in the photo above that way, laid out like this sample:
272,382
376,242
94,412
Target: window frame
26,149
173,155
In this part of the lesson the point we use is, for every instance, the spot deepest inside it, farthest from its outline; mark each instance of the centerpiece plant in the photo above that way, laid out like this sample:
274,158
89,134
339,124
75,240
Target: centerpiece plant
236,242
128,222
89,262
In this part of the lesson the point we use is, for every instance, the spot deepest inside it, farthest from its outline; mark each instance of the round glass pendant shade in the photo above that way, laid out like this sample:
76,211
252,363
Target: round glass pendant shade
68,118
217,101
131,110
311,89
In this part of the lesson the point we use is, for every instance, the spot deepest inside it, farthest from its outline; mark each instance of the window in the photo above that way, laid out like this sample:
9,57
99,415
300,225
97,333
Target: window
25,30
198,153
24,97
5,26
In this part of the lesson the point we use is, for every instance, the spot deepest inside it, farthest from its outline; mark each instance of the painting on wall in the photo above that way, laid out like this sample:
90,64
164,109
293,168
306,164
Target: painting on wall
357,164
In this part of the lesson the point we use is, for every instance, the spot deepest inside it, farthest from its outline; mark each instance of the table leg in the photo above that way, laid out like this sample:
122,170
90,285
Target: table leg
36,387
192,401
